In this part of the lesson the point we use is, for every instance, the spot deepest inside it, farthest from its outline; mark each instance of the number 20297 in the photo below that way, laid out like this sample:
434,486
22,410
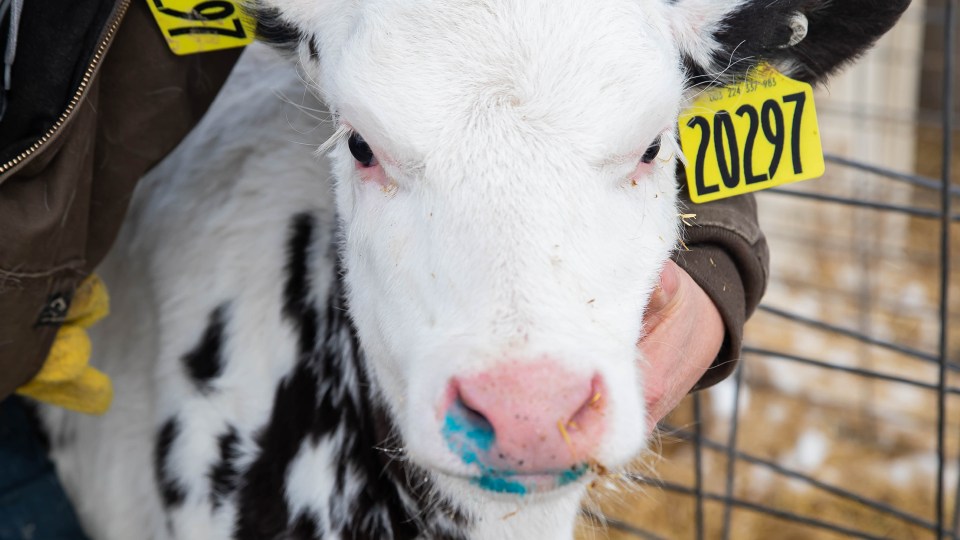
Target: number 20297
735,157
208,11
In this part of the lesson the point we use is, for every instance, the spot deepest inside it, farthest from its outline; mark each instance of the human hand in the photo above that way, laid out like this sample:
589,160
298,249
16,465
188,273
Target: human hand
684,333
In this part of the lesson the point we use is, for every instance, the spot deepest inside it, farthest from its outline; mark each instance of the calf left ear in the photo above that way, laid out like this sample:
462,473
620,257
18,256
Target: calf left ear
805,39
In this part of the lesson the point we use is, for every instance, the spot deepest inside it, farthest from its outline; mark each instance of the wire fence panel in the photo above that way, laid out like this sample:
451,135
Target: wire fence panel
842,419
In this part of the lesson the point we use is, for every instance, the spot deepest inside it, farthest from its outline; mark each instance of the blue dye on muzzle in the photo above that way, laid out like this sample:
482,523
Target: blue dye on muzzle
469,435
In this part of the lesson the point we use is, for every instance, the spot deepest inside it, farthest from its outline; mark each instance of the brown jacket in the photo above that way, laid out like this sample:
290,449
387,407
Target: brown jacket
96,106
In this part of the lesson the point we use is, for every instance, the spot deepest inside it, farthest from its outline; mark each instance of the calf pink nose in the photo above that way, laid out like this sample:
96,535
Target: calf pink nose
532,418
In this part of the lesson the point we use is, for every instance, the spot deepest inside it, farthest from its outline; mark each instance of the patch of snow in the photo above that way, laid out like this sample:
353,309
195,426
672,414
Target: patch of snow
723,397
809,453
761,481
913,296
900,396
848,277
918,469
793,379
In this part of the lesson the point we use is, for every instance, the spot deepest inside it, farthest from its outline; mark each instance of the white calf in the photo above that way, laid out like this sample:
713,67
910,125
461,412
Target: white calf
503,199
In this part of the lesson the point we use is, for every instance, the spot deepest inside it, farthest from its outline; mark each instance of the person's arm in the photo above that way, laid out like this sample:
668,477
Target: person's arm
729,259
685,333
695,320
62,204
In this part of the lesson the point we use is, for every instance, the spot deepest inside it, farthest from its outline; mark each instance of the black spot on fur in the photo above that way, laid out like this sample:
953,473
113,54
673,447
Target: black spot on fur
305,528
839,31
171,492
314,50
326,390
223,474
297,307
263,511
377,511
273,29
204,363
378,505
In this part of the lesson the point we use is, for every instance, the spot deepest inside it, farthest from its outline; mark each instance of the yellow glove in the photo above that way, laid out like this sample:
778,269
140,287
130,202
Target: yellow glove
66,378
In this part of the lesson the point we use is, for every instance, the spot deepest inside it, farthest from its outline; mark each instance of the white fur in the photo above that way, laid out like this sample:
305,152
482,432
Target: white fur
694,24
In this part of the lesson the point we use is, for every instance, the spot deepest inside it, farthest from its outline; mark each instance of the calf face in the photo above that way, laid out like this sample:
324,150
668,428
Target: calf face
505,218
506,191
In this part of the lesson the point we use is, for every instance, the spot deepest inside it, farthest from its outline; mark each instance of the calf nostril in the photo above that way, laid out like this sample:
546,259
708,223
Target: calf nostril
467,430
593,404
474,418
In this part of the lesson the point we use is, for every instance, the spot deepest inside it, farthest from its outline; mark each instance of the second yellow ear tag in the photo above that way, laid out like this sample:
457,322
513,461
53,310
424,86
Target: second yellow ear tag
751,136
192,26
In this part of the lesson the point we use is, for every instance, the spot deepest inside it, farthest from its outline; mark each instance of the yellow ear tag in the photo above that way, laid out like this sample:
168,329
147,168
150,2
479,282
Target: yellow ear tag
194,26
751,136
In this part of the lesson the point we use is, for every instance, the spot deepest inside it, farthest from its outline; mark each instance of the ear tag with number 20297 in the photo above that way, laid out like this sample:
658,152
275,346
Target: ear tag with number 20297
196,26
750,136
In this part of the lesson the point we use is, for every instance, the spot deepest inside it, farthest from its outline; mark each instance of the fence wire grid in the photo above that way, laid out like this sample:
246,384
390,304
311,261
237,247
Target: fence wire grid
725,456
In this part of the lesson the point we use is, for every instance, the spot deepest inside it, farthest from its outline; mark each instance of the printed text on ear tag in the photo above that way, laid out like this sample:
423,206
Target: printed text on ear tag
195,26
751,136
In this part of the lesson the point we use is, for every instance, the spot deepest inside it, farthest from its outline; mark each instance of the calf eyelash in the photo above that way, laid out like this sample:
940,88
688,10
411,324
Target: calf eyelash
340,134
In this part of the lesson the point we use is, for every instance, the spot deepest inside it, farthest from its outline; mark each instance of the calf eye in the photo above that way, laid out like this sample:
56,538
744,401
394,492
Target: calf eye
652,152
361,151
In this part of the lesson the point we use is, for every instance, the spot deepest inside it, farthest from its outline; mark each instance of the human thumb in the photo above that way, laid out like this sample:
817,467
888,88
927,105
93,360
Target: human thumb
664,296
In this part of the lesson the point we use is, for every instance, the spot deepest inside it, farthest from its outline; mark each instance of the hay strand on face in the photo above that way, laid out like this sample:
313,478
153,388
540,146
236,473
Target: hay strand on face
564,434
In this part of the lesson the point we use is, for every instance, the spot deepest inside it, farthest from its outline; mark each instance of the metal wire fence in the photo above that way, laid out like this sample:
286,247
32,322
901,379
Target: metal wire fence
945,521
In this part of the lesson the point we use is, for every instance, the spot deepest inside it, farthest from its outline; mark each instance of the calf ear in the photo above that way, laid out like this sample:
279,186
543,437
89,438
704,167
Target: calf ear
274,29
301,27
805,39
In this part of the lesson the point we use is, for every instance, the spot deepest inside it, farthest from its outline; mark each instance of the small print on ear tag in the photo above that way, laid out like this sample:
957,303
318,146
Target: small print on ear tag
751,136
195,26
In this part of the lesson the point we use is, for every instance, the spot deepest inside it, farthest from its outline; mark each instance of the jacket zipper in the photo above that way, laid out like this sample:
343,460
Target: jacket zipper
78,96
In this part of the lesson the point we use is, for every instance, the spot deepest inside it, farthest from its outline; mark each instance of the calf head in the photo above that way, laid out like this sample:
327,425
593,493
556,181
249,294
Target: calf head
505,182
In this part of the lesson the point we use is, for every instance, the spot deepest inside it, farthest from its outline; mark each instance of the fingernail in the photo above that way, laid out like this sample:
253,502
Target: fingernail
669,280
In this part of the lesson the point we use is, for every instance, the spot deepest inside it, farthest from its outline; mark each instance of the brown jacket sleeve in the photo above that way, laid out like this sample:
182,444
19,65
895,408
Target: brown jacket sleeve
727,256
62,206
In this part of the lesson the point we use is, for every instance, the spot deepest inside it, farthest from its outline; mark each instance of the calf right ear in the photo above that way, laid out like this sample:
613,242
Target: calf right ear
805,39
302,27
274,30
